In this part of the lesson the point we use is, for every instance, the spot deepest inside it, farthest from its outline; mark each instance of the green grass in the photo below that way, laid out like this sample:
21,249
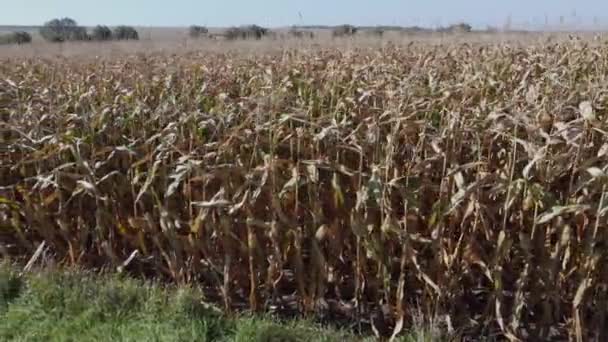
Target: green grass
81,306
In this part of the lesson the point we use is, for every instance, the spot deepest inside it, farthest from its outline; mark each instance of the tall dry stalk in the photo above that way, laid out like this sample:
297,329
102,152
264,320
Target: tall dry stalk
465,183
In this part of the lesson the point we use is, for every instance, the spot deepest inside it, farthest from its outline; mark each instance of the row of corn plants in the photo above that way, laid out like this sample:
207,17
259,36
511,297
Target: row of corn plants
464,184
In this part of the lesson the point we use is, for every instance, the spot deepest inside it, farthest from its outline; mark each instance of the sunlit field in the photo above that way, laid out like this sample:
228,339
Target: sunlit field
461,184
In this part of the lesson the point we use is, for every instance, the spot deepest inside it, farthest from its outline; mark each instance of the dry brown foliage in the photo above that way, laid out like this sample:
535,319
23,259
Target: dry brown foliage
465,182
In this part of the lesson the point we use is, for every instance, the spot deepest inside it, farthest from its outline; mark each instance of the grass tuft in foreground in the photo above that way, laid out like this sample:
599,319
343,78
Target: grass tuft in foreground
53,305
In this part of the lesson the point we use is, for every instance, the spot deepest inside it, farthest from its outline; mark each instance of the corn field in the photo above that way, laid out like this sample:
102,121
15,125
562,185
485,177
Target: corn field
464,184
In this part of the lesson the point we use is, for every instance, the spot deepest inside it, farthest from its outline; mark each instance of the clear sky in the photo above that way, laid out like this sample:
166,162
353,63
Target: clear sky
288,12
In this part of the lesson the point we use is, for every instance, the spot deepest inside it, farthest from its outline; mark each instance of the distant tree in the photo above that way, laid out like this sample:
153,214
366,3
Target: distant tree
246,32
22,37
19,37
125,33
101,33
461,27
344,30
456,28
197,31
62,30
255,31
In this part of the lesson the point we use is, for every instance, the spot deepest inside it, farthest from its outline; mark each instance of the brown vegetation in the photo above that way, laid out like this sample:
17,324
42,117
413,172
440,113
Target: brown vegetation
461,182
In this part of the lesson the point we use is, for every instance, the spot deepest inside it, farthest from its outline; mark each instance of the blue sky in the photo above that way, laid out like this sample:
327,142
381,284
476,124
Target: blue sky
286,12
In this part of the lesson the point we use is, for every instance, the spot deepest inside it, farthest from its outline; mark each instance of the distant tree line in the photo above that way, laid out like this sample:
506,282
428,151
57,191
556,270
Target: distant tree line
246,32
67,29
19,37
451,28
256,32
378,31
